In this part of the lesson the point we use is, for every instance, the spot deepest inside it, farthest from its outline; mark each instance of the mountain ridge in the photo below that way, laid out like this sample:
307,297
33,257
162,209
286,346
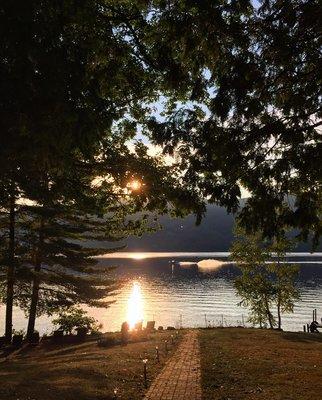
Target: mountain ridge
215,233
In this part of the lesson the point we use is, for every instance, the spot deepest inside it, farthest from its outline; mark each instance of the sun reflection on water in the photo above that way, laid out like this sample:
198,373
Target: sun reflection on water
138,256
135,305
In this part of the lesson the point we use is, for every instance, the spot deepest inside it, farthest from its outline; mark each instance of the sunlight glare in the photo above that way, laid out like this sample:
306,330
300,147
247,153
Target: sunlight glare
135,185
135,306
138,256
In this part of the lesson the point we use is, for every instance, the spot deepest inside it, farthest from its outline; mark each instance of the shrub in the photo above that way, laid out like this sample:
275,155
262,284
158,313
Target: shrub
19,332
74,318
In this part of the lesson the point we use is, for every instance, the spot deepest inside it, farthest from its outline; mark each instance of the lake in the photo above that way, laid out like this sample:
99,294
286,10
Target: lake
189,290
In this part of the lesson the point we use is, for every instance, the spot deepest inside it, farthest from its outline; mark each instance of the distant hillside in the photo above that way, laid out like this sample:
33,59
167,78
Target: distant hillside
214,234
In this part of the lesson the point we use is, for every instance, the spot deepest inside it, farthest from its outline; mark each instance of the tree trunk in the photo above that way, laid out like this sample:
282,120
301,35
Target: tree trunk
279,319
269,314
35,287
33,304
11,269
270,320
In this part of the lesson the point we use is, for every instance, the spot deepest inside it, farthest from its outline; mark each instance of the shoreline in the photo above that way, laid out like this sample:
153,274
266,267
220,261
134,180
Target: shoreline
142,255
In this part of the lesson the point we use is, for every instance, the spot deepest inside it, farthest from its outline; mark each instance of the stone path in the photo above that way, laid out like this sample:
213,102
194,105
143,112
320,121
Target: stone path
180,377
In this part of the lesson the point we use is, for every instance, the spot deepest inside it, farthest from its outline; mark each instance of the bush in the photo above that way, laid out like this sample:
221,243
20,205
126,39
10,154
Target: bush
75,318
19,332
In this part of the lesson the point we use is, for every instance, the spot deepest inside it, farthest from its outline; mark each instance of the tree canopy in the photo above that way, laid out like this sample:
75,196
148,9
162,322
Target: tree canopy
246,105
239,81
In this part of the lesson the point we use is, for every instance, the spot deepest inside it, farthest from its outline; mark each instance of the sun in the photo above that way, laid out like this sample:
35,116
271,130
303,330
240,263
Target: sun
135,184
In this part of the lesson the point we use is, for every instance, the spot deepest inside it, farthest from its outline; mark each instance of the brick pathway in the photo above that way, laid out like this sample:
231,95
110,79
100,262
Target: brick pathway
180,377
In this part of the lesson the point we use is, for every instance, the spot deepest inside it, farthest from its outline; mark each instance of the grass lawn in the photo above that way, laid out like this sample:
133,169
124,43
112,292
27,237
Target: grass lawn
260,364
82,371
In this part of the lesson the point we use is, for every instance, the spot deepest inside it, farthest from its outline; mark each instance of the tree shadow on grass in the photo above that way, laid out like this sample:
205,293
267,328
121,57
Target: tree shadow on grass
303,337
60,382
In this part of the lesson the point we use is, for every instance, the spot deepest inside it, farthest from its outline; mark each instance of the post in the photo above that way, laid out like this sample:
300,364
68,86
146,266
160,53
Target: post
145,373
157,355
304,328
166,346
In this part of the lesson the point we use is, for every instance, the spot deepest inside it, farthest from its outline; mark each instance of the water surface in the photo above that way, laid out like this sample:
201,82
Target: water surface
189,294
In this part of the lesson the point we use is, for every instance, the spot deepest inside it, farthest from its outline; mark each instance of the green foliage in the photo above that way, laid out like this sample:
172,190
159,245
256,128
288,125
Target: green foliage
54,254
245,106
264,283
254,285
284,277
72,72
240,93
74,318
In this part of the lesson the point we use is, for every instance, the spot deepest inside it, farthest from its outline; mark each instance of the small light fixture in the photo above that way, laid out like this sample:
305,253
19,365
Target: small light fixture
157,355
145,360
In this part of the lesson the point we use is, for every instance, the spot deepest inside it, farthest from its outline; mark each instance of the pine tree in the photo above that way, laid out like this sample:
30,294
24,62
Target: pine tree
61,267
